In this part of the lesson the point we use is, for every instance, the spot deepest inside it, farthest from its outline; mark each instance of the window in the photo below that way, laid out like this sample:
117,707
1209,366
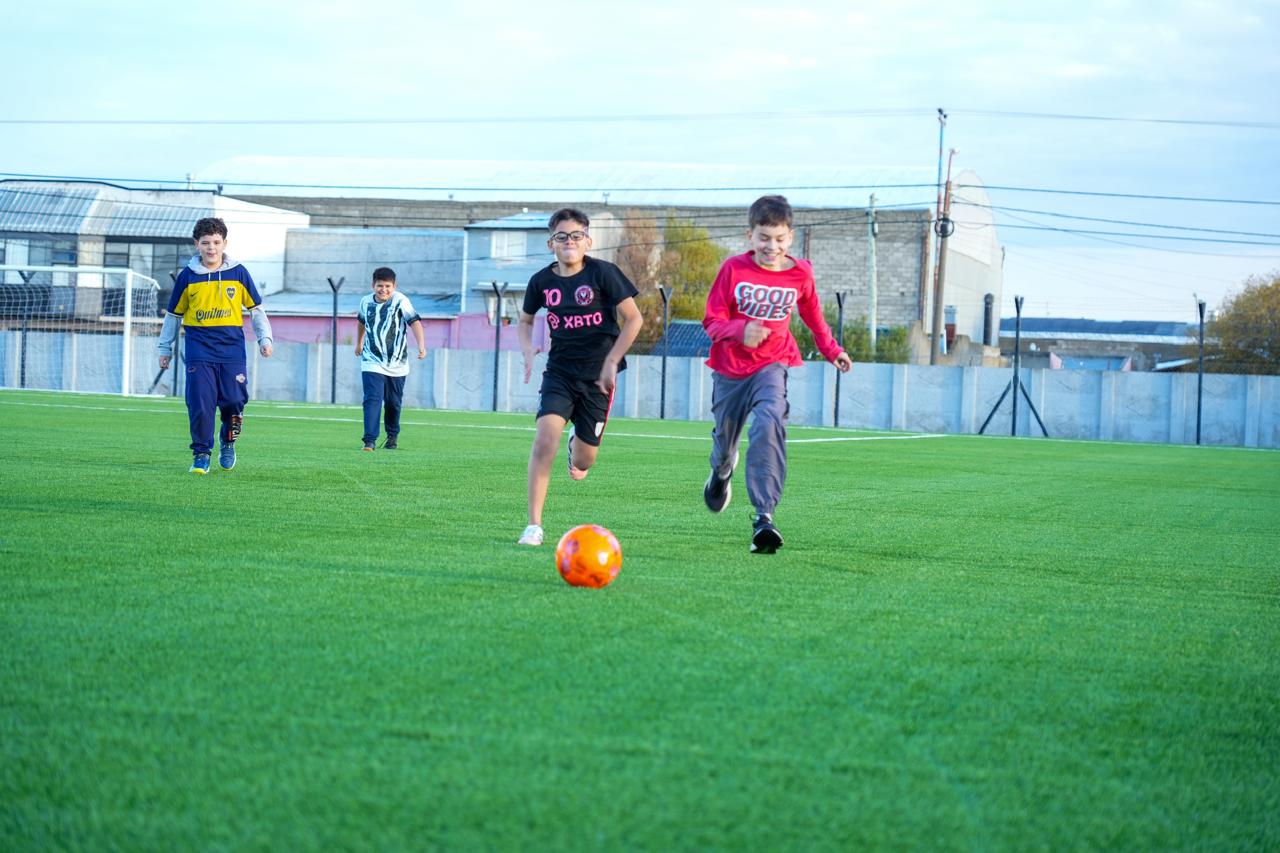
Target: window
509,245
156,260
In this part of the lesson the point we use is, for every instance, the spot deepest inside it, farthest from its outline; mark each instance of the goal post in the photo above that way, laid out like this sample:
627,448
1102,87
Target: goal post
78,328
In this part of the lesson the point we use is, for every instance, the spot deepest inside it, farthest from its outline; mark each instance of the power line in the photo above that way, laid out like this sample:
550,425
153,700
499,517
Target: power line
1142,196
665,118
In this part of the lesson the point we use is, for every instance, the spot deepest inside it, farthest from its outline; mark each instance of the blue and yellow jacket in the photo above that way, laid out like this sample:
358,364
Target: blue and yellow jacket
212,306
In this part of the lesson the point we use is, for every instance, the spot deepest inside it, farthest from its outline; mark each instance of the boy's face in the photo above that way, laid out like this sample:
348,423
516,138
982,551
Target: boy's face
770,244
382,290
211,248
569,241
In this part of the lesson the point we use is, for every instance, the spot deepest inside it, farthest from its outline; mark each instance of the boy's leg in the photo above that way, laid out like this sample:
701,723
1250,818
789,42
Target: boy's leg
546,442
233,394
374,387
767,451
393,395
555,407
590,416
730,405
202,399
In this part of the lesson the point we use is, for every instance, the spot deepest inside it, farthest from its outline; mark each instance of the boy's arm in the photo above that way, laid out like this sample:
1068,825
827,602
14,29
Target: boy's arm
416,325
262,329
811,313
719,319
359,337
632,322
524,331
168,337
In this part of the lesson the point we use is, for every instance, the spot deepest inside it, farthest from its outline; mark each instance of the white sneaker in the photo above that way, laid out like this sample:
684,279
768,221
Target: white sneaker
532,535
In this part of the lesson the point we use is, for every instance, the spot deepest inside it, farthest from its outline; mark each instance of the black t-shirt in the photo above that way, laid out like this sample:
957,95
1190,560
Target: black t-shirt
581,314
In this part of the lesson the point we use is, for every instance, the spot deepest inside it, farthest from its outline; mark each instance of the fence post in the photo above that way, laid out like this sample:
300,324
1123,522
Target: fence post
1017,359
333,362
1200,371
499,297
835,418
666,345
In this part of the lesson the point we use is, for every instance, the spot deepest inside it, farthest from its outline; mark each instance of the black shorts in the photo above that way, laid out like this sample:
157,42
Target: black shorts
579,402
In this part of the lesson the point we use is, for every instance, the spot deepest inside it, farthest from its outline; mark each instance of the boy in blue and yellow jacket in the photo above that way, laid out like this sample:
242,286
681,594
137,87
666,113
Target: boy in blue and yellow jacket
210,296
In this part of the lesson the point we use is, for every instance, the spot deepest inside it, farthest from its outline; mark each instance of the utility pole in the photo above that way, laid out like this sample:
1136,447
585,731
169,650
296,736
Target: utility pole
872,230
944,228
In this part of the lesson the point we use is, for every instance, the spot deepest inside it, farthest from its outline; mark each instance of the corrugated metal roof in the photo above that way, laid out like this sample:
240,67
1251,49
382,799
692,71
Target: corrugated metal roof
684,338
44,208
82,208
1073,328
118,218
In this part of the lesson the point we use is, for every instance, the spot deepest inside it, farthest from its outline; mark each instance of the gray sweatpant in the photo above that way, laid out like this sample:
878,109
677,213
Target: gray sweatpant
762,396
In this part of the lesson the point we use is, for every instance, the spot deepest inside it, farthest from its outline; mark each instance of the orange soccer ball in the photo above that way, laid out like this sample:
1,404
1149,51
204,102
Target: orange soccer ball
589,555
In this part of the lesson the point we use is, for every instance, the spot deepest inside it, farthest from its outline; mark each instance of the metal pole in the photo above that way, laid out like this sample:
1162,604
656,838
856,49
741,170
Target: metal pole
333,361
1017,358
126,362
944,228
835,415
872,229
1200,371
498,295
666,345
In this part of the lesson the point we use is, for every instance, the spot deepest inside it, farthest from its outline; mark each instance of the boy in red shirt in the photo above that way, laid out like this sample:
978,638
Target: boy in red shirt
748,318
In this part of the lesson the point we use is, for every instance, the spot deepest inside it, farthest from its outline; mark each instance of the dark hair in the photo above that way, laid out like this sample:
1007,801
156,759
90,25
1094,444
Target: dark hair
384,274
770,210
209,225
567,213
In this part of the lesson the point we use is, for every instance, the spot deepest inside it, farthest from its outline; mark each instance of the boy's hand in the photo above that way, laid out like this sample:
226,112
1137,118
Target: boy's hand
164,362
608,377
528,363
754,333
422,353
843,363
266,350
359,350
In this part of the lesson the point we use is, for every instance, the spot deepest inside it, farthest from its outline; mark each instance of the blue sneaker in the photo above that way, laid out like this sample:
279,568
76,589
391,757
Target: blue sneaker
227,456
199,464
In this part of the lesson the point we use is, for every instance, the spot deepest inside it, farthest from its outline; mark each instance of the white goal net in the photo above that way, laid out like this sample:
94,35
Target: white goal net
66,328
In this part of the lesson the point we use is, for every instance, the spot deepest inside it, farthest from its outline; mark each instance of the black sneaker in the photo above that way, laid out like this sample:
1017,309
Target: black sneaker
717,493
765,538
390,443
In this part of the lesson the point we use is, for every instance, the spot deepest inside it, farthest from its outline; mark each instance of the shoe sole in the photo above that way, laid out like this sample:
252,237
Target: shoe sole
728,493
197,470
766,542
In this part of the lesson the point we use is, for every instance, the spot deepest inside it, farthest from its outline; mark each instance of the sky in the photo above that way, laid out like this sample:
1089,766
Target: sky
1154,126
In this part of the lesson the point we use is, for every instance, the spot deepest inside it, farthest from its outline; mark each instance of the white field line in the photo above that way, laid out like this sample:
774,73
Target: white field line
260,415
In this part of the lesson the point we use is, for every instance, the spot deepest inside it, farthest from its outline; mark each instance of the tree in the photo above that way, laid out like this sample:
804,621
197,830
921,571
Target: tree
1246,330
684,260
891,344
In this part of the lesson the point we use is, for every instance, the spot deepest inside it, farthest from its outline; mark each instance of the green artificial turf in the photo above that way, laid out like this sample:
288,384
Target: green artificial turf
973,643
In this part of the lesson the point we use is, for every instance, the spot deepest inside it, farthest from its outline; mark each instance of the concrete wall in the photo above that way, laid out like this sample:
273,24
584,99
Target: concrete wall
1076,404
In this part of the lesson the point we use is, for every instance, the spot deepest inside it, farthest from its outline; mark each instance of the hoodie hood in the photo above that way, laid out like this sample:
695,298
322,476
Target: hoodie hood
198,268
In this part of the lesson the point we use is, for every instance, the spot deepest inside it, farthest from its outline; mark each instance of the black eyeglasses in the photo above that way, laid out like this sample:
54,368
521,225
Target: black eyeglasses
566,236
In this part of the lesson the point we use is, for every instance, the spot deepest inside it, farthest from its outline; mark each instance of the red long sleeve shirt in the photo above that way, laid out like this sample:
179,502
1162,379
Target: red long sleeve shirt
745,291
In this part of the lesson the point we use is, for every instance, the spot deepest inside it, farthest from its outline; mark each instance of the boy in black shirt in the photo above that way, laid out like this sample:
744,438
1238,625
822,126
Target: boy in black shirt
586,299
